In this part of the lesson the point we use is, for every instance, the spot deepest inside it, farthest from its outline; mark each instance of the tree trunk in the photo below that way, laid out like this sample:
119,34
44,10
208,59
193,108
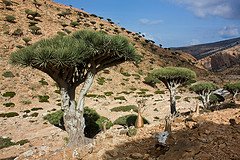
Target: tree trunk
173,100
73,114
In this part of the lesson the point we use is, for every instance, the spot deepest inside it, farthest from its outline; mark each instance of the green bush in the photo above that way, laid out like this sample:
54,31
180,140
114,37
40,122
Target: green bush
74,24
10,18
26,102
9,94
43,82
126,74
93,121
27,40
36,109
35,30
159,92
9,114
101,121
101,80
8,74
43,98
128,120
32,14
178,97
108,93
27,111
35,114
122,98
9,104
125,108
7,2
7,142
55,118
17,32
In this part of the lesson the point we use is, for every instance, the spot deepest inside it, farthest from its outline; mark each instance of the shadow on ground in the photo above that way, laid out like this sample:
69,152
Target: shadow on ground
206,140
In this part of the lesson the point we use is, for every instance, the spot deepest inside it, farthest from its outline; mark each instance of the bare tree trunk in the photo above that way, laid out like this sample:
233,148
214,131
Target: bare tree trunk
173,100
73,114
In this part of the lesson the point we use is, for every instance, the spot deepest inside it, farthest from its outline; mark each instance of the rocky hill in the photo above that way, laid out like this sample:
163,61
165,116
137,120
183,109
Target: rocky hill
216,56
27,95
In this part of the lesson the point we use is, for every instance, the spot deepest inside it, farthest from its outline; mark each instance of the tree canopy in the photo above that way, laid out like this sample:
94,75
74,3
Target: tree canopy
203,87
177,75
67,58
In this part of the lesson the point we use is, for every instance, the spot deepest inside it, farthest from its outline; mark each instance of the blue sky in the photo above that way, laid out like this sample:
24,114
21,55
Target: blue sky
171,23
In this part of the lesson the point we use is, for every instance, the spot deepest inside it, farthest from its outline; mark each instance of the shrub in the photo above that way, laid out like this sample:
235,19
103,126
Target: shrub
9,94
55,118
27,111
36,109
9,104
159,92
7,142
122,98
9,114
93,121
126,74
32,14
35,30
35,114
32,23
101,120
43,98
108,93
10,18
128,120
43,82
178,97
125,108
67,31
7,2
27,40
74,24
8,74
26,102
101,80
61,33
17,32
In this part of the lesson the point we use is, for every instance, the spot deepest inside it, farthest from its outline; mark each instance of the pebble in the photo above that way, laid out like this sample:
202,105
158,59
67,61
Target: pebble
136,156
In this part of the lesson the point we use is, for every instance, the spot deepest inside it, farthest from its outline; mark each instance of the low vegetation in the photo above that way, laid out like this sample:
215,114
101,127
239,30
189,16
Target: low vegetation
128,120
125,108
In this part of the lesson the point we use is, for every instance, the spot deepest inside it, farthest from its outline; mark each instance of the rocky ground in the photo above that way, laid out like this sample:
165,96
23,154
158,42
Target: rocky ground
208,136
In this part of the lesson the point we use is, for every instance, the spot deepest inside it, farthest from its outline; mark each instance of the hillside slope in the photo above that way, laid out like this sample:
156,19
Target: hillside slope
32,94
216,56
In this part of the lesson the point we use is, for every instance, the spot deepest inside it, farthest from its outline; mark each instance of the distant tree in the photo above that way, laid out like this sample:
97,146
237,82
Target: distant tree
204,89
233,88
73,60
172,77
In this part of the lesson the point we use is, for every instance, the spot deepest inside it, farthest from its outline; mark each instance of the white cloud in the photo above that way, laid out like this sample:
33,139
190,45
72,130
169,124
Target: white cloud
149,22
229,31
222,8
